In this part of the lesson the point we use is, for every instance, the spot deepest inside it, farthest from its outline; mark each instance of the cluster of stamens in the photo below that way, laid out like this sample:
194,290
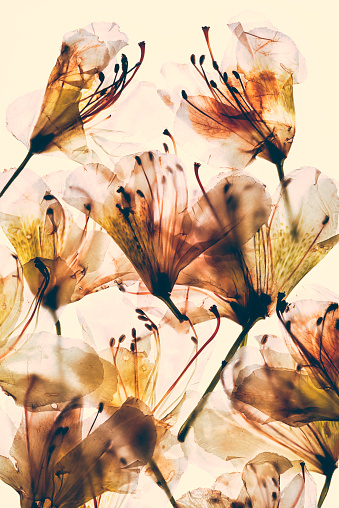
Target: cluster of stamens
103,98
232,98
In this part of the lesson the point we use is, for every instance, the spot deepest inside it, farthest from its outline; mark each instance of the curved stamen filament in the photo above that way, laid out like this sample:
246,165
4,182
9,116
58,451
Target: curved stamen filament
216,313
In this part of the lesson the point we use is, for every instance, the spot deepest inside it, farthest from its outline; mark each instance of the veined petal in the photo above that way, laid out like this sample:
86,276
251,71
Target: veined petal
33,377
109,456
11,293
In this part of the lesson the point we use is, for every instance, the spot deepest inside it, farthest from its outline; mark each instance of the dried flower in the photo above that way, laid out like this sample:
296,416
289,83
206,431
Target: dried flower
148,217
242,110
61,262
283,250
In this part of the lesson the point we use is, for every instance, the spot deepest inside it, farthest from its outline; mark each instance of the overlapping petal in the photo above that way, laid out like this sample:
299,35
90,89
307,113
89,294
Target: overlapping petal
298,234
149,218
61,261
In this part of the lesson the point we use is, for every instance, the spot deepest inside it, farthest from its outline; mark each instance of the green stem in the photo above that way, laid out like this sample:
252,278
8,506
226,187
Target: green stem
192,417
173,308
162,482
325,489
16,173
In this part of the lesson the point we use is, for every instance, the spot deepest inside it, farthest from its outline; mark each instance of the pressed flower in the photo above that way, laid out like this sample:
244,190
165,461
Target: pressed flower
258,486
284,249
149,218
11,294
77,92
291,391
148,363
61,261
243,110
51,464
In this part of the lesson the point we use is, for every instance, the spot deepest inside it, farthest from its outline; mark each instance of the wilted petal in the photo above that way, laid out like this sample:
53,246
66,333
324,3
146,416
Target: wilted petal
33,376
109,458
290,395
296,237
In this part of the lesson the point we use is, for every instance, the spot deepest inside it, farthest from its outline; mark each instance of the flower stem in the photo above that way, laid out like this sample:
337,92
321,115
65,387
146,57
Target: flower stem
192,417
16,173
280,168
325,489
173,308
162,482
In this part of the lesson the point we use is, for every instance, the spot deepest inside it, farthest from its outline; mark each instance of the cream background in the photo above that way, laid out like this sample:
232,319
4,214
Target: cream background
31,33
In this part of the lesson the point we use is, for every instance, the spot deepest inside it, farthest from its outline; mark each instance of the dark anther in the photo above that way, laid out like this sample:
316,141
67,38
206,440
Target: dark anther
101,77
325,221
184,95
215,65
120,189
88,207
225,77
133,333
337,324
298,368
143,318
49,211
111,342
234,90
288,325
122,338
201,59
123,461
236,74
274,495
124,63
151,156
166,132
179,168
101,407
149,327
193,59
132,347
264,339
139,311
140,193
48,197
319,320
332,307
166,149
137,158
116,68
226,188
213,84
